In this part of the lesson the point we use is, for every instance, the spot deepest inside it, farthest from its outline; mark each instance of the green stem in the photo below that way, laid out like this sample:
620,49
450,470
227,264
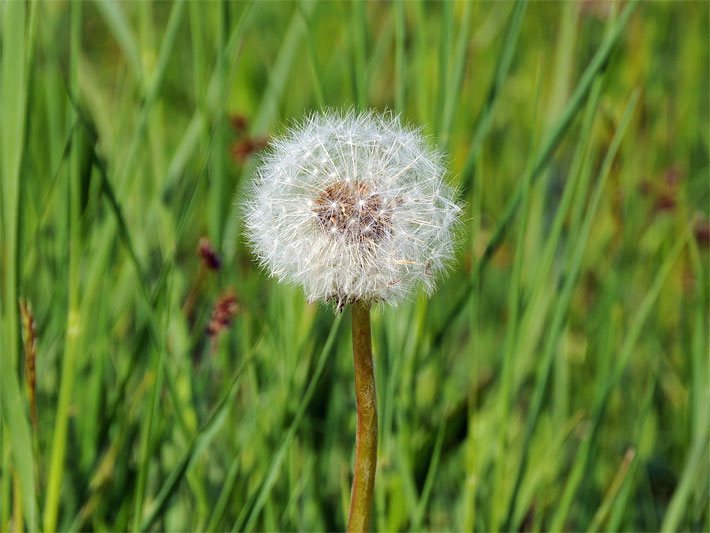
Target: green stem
366,432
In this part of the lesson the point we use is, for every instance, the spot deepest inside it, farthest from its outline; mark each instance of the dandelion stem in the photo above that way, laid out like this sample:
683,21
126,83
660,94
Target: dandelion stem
366,432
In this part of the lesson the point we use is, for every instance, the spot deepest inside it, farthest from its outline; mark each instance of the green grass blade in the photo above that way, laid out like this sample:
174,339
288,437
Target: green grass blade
247,524
225,495
515,300
575,188
485,117
400,65
219,199
615,496
695,472
557,321
115,18
431,475
148,430
543,156
358,30
313,63
553,139
199,443
15,426
446,31
131,159
74,322
453,88
279,72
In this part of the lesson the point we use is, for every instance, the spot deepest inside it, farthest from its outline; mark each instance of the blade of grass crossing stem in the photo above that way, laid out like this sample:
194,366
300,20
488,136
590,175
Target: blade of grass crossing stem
555,328
74,324
453,88
200,442
149,422
544,154
485,117
16,429
280,454
400,66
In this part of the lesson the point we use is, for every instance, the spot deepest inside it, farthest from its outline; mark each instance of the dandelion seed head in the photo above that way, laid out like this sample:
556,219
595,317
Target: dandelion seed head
352,207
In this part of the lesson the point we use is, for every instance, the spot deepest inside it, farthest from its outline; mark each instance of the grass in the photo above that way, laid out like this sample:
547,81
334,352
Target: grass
559,378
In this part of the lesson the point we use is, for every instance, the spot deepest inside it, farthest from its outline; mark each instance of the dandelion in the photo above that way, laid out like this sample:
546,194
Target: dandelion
354,209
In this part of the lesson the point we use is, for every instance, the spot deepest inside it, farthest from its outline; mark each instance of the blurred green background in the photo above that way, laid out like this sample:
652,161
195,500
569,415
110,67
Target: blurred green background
153,378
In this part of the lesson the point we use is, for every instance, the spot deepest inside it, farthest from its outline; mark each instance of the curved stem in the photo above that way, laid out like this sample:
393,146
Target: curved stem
366,433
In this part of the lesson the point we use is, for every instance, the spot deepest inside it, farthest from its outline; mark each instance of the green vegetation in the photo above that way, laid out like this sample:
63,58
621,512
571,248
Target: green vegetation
558,380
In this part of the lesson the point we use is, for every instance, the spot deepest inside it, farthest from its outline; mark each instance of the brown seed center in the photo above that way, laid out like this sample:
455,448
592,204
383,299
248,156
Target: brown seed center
349,209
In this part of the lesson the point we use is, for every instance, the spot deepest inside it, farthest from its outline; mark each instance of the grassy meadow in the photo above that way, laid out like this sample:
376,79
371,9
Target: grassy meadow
154,378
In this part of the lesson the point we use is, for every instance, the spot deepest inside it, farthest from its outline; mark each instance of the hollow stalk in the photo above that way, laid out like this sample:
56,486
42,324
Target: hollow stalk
366,432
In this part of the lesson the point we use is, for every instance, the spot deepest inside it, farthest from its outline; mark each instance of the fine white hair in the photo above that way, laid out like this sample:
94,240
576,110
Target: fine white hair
352,207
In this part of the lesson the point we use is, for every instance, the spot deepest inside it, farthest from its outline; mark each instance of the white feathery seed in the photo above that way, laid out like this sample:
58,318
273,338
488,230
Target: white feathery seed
352,207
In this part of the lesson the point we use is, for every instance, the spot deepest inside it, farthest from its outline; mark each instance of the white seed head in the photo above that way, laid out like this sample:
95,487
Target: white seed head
352,207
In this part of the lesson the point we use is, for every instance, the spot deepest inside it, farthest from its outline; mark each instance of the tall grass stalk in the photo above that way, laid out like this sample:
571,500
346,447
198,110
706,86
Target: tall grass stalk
15,434
74,322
